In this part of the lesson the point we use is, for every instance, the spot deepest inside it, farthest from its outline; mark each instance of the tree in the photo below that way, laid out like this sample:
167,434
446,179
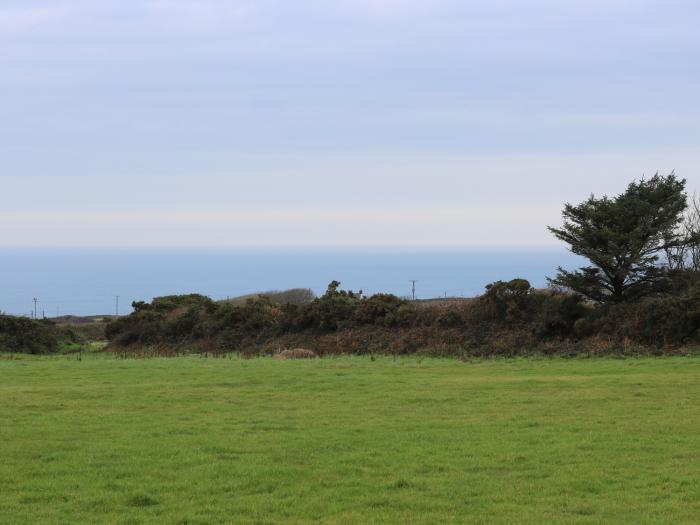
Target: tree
622,237
686,257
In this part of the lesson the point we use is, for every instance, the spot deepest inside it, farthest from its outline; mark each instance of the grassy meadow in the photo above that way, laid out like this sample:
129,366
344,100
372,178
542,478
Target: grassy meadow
348,440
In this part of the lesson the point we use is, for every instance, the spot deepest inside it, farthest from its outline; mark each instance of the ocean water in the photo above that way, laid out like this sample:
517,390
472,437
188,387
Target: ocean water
88,281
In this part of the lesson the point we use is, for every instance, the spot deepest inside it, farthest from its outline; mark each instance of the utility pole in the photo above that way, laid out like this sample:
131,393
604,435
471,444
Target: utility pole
413,288
35,300
116,307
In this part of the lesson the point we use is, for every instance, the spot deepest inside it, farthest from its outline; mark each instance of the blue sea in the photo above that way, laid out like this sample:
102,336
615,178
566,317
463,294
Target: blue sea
88,281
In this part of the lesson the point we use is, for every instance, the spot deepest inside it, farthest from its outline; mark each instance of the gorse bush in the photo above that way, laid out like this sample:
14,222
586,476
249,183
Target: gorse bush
384,310
333,310
169,303
557,313
509,318
19,334
660,322
508,302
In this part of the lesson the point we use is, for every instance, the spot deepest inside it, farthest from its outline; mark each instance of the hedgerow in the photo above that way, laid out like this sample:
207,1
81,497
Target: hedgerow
509,318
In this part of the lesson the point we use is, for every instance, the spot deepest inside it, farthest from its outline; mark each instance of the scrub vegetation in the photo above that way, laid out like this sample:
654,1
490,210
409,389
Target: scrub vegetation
35,336
640,294
511,318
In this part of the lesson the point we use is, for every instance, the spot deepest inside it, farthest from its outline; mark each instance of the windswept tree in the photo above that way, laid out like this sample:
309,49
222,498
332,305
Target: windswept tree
622,237
686,257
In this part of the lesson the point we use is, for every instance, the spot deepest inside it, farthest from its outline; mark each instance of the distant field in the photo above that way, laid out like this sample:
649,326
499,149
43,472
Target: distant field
349,440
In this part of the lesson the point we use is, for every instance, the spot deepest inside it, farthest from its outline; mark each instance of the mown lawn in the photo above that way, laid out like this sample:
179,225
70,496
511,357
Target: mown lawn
349,440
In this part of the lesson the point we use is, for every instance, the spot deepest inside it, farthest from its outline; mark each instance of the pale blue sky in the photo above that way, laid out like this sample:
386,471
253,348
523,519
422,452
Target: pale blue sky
346,122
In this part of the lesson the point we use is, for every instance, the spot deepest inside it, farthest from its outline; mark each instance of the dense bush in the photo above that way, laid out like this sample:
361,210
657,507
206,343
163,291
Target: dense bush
509,318
507,302
557,313
659,322
19,334
385,310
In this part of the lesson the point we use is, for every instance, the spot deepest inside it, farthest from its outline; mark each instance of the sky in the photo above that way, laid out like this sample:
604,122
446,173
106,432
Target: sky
374,123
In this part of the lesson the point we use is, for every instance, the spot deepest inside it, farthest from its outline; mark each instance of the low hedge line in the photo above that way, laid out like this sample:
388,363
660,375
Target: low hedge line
510,317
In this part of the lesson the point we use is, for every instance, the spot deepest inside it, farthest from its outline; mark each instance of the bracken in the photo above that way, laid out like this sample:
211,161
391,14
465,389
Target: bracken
296,353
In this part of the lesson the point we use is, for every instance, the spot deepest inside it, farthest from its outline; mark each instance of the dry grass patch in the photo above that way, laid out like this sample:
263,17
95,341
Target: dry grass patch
296,353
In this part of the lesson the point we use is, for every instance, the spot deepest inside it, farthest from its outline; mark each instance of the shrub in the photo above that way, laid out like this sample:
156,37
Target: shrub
510,318
557,314
451,318
383,309
665,321
19,334
506,302
331,311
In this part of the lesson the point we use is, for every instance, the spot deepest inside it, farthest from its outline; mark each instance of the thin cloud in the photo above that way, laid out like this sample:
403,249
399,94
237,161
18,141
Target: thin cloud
438,227
18,19
142,109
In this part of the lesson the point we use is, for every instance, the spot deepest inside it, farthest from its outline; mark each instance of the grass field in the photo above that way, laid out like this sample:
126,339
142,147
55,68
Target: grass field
349,440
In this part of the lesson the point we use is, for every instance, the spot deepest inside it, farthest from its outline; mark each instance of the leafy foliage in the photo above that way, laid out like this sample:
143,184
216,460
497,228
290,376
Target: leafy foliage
20,334
509,318
507,301
622,237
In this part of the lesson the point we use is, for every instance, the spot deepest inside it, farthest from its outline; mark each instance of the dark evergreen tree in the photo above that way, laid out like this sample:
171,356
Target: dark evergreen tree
622,237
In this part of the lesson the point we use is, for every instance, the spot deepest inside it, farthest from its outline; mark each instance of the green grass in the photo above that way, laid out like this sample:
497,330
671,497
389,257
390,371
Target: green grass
349,440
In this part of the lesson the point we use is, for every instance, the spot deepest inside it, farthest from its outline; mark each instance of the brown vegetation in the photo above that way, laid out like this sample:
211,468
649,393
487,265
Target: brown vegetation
510,318
296,353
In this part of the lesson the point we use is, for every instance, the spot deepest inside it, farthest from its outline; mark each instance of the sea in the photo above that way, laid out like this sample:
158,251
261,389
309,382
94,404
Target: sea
100,281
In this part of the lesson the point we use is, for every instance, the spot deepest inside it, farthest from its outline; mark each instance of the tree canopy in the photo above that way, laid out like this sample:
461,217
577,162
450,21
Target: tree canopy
622,238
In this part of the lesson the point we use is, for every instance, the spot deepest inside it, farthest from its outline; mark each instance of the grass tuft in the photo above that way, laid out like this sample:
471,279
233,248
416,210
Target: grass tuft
142,500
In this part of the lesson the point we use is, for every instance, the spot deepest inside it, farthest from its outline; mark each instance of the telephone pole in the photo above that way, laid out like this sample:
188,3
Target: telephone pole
35,300
116,307
413,288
